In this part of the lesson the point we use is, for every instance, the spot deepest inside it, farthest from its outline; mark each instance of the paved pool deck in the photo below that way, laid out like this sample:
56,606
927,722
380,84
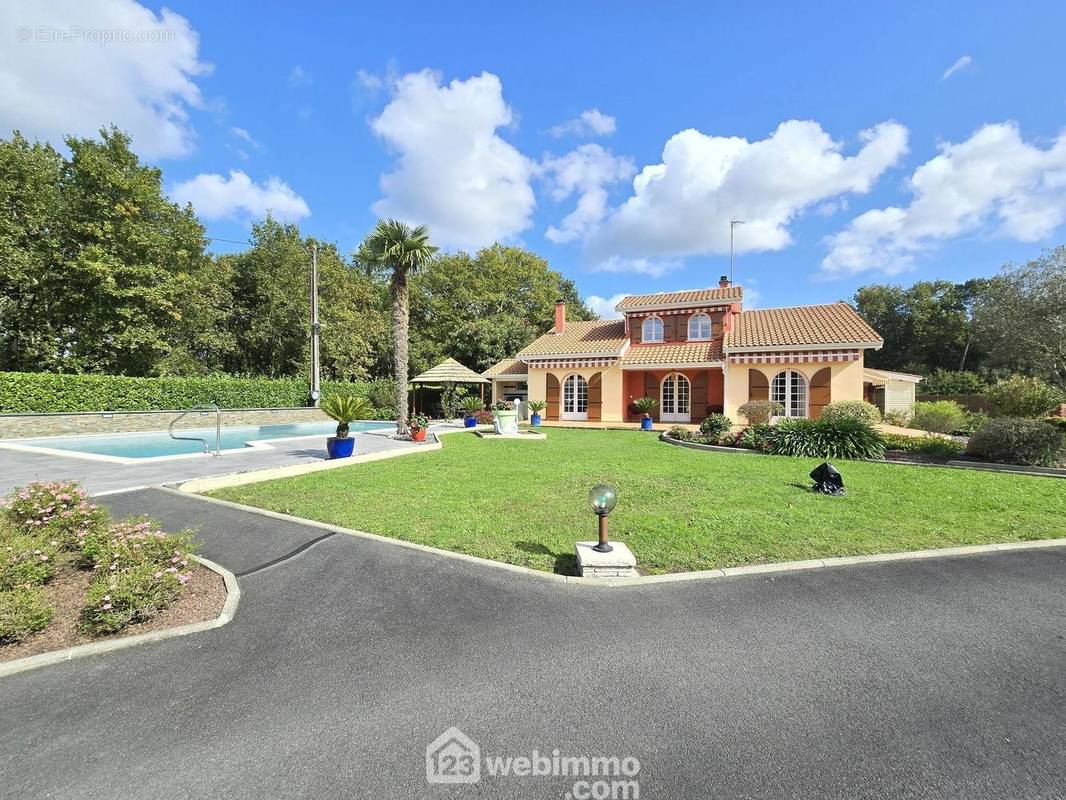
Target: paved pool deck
19,467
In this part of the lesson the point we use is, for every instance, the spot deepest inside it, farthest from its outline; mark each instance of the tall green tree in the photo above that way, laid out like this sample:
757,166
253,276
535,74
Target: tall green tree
1020,317
925,327
482,308
98,266
271,313
402,250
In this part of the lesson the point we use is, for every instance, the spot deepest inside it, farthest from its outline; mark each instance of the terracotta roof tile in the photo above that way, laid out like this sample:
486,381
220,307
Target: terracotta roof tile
717,294
671,354
509,366
594,336
837,323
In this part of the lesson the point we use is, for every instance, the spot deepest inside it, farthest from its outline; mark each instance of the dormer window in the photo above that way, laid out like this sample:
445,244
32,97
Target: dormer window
699,327
651,330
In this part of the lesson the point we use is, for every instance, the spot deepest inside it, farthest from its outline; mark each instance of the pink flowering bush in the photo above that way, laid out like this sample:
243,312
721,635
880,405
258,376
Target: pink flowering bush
23,611
123,597
137,541
26,560
57,510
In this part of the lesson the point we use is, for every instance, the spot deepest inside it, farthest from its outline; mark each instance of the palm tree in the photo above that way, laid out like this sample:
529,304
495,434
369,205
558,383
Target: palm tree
400,249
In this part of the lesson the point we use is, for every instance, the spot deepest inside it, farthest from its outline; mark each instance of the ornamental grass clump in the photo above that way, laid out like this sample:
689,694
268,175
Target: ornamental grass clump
57,511
840,438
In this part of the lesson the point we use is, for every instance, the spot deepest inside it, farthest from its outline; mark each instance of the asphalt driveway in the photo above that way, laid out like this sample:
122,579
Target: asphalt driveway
941,678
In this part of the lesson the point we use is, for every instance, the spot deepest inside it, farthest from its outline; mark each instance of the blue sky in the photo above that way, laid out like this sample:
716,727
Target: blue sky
841,133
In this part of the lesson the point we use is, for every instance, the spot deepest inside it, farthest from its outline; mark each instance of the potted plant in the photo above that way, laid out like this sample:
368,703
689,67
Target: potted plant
505,418
644,405
470,405
419,426
344,408
535,407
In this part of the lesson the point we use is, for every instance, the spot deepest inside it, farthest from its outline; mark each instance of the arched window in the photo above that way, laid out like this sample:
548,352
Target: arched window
575,403
789,388
699,327
652,330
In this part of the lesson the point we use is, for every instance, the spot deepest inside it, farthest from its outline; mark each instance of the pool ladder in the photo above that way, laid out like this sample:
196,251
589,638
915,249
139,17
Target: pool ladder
218,428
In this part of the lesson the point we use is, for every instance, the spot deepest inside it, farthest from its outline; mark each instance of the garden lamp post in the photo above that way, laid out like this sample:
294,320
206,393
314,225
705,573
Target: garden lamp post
603,499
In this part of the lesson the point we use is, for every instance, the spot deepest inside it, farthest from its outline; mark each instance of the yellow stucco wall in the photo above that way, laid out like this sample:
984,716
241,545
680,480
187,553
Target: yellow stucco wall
845,382
612,409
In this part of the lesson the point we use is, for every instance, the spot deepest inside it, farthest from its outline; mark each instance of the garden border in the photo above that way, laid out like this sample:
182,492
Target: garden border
643,580
229,610
1014,469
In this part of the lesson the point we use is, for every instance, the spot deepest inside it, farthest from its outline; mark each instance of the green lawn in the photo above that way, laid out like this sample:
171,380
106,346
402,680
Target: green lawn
679,509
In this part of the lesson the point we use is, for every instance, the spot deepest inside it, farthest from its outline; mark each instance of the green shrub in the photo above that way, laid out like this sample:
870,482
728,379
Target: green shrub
758,412
973,422
755,437
22,612
27,392
117,599
942,381
1058,422
25,561
839,438
852,409
901,419
679,433
382,395
1029,398
57,510
715,426
1029,442
932,446
940,416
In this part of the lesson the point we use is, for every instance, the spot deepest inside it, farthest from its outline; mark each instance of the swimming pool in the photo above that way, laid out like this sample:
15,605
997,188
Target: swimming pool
156,444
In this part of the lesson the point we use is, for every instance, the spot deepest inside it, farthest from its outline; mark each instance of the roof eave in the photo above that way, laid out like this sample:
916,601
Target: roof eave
875,345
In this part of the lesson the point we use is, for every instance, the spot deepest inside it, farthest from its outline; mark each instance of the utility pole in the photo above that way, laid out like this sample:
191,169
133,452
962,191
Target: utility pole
732,227
316,385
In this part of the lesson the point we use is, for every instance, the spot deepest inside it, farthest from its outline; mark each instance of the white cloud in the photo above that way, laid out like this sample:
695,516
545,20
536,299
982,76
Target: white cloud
682,206
992,182
213,196
454,173
639,266
590,122
962,63
603,307
587,171
61,82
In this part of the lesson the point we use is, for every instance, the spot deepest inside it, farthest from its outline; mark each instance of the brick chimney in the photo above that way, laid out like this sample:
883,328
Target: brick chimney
723,282
560,316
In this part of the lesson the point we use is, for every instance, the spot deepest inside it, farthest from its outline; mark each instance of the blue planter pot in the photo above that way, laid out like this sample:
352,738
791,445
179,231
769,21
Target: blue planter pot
340,448
534,420
645,423
469,422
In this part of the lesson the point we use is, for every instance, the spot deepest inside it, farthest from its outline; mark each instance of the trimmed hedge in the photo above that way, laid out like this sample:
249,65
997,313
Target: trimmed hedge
42,392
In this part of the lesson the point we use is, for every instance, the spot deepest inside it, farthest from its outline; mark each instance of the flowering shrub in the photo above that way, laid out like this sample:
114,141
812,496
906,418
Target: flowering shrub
483,417
715,426
119,598
137,541
58,510
22,611
26,560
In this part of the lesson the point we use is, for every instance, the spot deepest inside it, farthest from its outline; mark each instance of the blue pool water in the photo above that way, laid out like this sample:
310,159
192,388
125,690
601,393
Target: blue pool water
158,443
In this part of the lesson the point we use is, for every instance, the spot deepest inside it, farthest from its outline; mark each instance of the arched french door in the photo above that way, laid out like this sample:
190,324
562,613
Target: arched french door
675,400
575,399
789,388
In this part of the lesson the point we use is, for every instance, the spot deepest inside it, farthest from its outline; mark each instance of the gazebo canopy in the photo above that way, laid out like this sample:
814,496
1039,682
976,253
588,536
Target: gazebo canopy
449,371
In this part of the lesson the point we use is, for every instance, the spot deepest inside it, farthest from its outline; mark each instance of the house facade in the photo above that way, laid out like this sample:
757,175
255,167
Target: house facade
696,352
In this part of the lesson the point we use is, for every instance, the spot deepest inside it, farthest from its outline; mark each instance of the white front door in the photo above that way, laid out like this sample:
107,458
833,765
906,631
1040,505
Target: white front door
675,403
575,403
